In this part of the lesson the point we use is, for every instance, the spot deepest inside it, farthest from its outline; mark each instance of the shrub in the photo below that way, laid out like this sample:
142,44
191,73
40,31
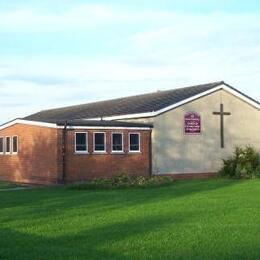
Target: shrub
244,163
123,180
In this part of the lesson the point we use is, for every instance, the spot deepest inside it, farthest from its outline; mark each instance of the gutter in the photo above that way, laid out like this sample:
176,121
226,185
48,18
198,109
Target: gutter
64,144
150,155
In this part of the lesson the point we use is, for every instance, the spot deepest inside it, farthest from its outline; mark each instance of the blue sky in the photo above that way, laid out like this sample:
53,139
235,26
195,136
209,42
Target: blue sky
58,53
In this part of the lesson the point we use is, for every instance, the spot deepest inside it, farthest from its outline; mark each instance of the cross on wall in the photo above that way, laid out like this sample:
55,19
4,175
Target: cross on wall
221,113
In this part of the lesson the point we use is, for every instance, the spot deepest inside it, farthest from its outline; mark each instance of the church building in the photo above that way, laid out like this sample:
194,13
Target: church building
184,133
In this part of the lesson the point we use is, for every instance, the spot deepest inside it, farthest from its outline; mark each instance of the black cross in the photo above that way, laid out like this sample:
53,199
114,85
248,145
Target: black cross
222,114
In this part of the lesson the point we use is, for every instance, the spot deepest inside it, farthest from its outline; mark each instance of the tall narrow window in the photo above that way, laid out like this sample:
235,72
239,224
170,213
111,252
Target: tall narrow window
8,145
117,142
134,142
1,145
81,142
15,144
99,142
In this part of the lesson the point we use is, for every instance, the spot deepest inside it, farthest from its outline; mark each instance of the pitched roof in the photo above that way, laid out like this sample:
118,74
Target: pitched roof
121,106
129,105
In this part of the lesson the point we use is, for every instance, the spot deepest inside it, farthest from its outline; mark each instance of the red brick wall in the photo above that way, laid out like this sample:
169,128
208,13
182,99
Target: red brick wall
88,166
37,158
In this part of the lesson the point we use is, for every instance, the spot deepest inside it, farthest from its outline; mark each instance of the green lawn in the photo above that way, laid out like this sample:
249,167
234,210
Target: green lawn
7,185
212,219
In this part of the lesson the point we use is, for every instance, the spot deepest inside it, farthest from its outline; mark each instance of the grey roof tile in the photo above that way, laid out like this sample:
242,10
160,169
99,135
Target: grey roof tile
122,106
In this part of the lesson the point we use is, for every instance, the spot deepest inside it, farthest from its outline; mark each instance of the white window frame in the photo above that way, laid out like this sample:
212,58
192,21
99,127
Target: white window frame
117,151
129,144
105,143
2,153
12,144
75,143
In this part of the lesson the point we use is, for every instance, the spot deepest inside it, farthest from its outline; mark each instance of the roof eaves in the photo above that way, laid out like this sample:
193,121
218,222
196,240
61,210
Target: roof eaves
241,93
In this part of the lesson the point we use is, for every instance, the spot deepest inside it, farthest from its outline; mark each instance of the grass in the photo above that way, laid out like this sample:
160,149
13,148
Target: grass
7,185
209,219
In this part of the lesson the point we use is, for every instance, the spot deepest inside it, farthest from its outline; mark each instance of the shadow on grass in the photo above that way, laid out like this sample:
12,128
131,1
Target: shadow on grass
32,211
109,242
66,198
86,244
45,203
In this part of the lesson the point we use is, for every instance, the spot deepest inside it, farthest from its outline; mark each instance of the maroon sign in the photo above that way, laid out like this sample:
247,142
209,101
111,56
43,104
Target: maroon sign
192,123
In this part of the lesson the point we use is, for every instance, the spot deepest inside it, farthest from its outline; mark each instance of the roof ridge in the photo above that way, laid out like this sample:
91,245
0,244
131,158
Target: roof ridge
147,104
216,83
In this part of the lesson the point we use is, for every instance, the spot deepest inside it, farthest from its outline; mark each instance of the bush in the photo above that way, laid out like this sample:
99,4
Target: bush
244,163
123,180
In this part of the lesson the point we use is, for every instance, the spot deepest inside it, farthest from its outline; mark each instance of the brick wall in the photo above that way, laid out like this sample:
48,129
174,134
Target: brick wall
88,166
36,161
39,159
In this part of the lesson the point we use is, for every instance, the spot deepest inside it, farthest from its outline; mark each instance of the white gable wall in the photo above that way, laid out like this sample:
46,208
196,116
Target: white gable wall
175,152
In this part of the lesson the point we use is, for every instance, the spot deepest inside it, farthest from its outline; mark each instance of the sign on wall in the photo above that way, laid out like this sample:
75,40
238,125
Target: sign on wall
192,123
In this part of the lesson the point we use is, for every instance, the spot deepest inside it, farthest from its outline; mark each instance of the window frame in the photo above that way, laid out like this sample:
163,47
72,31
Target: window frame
75,143
105,143
12,144
3,138
139,143
112,144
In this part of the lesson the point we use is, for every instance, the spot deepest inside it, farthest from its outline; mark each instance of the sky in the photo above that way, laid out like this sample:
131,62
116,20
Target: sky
60,53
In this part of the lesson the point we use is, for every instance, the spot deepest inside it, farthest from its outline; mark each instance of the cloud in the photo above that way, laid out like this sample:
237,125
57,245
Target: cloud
80,17
35,20
161,50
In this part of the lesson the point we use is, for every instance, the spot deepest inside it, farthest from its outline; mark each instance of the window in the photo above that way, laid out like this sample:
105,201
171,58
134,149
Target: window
8,145
134,142
1,145
117,142
99,142
81,142
15,144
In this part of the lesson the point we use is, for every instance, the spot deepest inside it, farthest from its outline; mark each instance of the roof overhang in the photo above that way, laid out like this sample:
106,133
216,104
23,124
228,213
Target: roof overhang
27,122
223,86
56,126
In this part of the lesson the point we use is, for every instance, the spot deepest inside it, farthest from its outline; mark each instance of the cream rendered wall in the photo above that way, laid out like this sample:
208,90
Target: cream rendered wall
175,152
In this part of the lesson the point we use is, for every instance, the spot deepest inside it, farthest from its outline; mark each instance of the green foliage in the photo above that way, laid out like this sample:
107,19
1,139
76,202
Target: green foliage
123,180
244,163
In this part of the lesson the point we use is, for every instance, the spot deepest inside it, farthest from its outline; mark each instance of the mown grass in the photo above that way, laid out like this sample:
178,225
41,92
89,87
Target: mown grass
210,219
7,185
